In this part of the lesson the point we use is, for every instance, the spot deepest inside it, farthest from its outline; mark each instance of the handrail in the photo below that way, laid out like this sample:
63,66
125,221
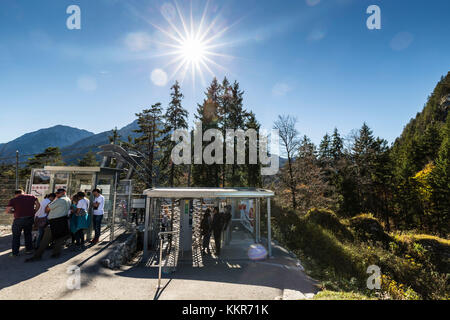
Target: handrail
160,253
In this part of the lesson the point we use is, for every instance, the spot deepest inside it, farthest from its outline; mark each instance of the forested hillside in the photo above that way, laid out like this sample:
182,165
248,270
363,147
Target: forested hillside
350,203
420,159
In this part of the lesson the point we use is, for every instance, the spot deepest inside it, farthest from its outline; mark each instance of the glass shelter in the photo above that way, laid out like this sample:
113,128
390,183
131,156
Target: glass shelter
185,207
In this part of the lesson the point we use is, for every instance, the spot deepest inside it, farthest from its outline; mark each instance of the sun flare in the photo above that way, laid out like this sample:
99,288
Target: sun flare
194,44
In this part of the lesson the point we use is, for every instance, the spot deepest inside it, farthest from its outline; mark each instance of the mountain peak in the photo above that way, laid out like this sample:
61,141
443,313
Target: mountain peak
37,141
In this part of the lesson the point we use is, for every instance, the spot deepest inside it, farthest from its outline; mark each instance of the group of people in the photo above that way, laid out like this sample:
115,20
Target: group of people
56,218
214,223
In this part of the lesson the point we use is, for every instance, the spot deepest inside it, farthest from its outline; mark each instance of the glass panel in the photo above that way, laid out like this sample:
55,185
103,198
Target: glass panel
41,184
81,182
60,180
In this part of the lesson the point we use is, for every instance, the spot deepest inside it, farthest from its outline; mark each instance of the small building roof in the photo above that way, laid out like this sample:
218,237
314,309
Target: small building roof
72,169
197,193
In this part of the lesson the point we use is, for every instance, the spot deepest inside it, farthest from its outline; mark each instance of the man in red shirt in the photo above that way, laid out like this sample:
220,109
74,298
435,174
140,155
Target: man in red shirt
24,207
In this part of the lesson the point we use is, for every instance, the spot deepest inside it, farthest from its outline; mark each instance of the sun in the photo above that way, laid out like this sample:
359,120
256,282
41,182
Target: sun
193,50
194,44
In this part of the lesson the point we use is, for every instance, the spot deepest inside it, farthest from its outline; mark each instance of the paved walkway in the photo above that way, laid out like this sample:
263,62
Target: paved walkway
233,276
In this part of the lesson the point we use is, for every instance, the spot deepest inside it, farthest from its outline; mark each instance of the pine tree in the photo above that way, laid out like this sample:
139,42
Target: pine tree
252,171
114,138
50,157
208,115
325,151
150,122
337,146
440,183
175,118
89,160
239,119
224,109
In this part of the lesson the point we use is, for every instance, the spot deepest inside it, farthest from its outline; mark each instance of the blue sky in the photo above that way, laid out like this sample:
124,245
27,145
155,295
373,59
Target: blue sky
314,59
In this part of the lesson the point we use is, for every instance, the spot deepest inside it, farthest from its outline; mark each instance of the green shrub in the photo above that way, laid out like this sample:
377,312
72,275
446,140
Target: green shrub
334,295
368,228
329,220
397,291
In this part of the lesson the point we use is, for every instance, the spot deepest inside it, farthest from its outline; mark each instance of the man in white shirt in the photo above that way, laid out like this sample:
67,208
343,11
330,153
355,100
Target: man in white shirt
99,205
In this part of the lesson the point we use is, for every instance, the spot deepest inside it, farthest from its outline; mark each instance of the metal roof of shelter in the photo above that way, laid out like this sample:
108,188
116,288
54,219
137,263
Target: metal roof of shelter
72,169
196,193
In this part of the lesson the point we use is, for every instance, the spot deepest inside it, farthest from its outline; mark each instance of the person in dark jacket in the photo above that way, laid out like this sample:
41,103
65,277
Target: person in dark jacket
226,217
205,227
217,227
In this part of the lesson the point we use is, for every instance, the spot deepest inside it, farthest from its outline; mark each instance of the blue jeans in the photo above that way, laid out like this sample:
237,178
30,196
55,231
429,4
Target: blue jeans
97,220
19,224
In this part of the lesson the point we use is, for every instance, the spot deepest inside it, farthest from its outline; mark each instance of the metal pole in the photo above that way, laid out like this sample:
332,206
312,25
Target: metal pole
111,234
258,220
113,220
129,206
17,169
160,260
269,231
146,225
255,226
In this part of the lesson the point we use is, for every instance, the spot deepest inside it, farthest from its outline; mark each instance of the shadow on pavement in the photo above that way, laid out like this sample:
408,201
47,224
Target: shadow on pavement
234,267
18,271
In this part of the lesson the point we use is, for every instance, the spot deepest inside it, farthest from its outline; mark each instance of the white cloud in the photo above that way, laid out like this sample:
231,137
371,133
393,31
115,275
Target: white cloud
281,89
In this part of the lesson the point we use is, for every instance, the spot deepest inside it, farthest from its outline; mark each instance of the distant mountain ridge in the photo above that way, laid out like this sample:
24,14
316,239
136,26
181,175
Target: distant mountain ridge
74,143
37,141
76,151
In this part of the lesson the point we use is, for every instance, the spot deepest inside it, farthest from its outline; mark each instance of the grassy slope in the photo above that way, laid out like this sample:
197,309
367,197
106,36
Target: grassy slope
337,252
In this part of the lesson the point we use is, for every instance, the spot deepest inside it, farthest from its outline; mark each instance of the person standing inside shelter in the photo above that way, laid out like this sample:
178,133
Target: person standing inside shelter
205,227
99,205
58,228
24,207
217,227
40,219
